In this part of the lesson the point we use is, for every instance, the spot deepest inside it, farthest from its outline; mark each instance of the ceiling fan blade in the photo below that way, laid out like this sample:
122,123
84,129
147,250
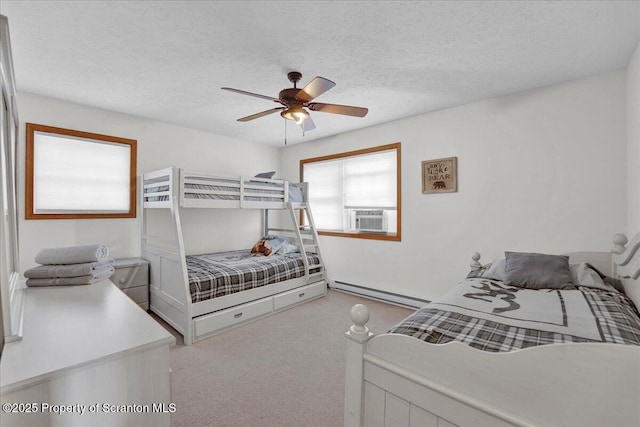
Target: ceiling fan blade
261,114
347,110
307,124
257,95
314,88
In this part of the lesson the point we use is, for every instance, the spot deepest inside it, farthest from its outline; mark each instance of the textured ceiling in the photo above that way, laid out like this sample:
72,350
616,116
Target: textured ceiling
167,60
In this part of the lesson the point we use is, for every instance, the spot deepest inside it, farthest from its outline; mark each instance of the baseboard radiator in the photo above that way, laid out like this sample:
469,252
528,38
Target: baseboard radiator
376,294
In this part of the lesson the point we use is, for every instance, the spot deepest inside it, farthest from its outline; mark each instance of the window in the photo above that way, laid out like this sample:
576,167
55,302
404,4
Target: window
356,194
72,174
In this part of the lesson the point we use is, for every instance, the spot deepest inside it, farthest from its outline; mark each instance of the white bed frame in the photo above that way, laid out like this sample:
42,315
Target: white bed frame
170,297
396,380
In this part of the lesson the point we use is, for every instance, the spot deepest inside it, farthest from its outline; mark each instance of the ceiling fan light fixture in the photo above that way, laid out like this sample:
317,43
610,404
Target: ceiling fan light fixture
301,116
295,113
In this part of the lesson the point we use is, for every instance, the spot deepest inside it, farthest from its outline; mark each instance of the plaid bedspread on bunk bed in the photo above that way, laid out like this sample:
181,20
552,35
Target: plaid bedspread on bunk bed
490,316
224,273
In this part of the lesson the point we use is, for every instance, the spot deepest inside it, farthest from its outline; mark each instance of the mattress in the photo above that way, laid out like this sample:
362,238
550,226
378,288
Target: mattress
218,274
489,316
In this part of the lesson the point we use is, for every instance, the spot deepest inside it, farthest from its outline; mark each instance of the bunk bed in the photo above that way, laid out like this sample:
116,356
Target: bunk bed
204,294
397,379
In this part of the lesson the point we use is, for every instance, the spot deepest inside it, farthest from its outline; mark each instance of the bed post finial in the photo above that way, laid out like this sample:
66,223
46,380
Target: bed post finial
358,335
475,264
619,242
359,316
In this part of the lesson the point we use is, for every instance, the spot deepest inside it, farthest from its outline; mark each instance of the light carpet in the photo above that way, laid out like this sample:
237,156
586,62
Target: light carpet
284,370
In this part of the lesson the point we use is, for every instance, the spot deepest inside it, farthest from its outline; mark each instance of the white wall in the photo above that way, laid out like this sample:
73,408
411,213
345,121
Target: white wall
633,143
542,170
159,145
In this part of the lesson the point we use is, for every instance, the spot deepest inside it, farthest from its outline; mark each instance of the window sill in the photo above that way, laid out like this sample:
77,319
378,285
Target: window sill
357,235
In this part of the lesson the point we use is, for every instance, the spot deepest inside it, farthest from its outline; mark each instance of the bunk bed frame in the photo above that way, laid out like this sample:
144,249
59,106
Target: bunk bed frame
170,298
397,380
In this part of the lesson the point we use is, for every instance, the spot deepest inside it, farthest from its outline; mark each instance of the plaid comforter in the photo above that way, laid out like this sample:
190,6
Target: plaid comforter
616,320
224,273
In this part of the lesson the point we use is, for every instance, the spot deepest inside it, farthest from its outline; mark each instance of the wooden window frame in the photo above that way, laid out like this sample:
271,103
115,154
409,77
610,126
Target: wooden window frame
29,178
397,237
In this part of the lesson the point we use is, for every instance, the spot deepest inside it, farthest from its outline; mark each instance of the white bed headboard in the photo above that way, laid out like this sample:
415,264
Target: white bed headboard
600,260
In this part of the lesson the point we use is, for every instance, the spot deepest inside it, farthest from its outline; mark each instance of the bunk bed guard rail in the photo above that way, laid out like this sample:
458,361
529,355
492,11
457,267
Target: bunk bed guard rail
220,191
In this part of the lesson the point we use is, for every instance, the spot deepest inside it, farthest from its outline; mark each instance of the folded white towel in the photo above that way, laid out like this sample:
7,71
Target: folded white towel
73,254
82,280
50,271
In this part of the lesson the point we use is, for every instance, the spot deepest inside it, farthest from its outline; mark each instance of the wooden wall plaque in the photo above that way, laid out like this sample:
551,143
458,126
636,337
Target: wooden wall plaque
440,175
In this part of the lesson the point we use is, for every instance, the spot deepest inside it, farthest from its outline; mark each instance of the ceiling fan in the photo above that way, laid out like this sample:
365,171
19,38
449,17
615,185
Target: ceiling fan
295,100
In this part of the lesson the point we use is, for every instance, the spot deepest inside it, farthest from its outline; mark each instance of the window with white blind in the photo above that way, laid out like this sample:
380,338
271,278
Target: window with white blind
73,174
357,193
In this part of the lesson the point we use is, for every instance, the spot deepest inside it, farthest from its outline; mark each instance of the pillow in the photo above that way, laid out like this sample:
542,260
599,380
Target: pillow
288,248
584,275
537,271
268,175
496,270
295,193
274,243
609,282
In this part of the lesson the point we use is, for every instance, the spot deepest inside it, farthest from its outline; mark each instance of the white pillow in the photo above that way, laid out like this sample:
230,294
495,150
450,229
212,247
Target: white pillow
497,270
583,275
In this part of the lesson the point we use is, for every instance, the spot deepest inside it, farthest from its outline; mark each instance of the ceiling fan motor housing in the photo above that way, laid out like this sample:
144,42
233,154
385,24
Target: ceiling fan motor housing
288,96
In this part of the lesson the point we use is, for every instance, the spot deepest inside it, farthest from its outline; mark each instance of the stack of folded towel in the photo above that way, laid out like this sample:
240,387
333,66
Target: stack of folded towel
74,265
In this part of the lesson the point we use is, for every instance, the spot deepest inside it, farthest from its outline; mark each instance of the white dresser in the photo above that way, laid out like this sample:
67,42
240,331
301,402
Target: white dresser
89,356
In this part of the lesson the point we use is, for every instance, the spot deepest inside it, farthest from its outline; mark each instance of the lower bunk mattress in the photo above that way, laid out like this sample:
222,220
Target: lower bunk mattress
491,316
224,273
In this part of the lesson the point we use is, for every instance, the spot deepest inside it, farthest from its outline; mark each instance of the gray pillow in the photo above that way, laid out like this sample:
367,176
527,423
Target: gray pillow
537,271
267,175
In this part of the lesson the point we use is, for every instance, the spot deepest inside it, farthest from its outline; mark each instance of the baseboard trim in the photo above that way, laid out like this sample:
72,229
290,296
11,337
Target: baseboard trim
376,294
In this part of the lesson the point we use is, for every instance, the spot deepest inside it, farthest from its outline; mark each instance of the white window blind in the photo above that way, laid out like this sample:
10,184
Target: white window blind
73,174
341,185
370,180
326,181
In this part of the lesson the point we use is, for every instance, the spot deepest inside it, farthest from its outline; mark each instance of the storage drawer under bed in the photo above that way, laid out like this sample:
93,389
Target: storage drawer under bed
222,319
304,293
209,324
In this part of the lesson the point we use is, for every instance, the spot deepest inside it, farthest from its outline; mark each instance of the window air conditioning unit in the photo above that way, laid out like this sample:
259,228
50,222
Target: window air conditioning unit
370,220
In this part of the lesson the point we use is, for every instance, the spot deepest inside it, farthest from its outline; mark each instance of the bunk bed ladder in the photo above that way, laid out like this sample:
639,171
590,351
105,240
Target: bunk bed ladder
310,234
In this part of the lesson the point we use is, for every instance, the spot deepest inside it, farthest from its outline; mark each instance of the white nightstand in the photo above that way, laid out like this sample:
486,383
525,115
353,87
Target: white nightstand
132,276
